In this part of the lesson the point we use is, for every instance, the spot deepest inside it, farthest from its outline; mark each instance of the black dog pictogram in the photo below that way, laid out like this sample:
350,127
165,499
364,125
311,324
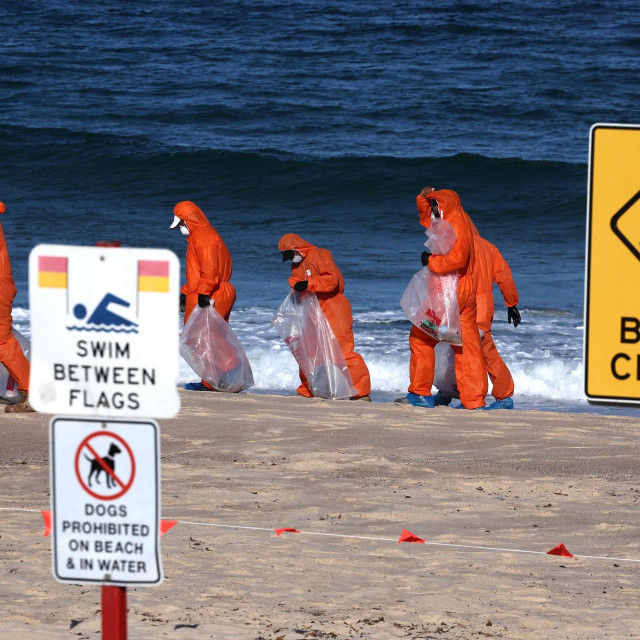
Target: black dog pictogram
109,460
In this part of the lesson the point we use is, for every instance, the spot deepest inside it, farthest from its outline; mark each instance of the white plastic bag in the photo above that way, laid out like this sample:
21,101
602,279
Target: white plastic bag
9,386
444,377
306,331
213,351
431,299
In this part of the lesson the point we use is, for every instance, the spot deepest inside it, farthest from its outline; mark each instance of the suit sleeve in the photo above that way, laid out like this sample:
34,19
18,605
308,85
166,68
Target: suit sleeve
208,262
503,278
326,279
458,257
424,210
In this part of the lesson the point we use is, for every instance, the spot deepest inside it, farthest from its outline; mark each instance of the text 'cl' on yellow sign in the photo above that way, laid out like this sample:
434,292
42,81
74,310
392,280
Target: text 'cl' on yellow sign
612,294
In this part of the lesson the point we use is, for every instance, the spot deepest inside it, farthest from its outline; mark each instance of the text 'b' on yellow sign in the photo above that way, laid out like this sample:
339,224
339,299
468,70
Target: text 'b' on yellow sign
612,294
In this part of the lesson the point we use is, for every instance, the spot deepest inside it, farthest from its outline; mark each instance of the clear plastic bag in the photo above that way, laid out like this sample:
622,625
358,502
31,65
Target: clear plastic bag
431,303
441,236
9,386
444,377
431,299
306,331
213,351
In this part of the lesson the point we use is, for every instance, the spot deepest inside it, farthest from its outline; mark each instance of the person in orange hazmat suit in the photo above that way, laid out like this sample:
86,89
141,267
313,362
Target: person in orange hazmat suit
492,267
11,355
208,267
313,269
471,371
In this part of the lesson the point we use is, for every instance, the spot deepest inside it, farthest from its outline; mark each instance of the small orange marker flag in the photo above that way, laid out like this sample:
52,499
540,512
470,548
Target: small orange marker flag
165,525
279,531
560,550
407,536
46,516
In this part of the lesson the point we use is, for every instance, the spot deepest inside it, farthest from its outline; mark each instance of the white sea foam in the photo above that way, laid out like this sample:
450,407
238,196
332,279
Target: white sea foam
551,379
544,356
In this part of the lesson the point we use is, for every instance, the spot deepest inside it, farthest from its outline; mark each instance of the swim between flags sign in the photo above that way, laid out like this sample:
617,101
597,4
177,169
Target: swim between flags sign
104,331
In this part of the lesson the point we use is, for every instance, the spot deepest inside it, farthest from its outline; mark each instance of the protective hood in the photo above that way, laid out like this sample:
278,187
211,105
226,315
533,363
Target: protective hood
448,202
192,214
295,242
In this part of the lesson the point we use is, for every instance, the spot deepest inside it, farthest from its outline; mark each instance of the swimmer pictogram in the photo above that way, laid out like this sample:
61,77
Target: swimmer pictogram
104,319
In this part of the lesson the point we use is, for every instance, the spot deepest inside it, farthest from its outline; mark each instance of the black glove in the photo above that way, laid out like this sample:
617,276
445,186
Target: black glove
183,302
203,300
301,285
513,314
425,258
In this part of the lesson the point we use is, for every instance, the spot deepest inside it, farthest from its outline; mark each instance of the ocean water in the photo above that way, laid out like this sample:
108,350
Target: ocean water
323,119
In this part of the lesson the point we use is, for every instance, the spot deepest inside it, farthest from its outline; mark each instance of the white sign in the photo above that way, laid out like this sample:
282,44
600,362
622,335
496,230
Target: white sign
104,331
105,501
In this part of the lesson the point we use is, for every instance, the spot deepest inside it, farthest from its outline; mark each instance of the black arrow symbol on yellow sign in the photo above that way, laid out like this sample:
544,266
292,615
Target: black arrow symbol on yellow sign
631,217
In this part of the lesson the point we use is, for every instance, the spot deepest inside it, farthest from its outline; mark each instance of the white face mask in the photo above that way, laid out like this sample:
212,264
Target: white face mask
184,230
297,259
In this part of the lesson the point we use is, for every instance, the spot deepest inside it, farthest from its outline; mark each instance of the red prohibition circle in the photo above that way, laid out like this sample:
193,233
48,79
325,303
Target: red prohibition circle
126,487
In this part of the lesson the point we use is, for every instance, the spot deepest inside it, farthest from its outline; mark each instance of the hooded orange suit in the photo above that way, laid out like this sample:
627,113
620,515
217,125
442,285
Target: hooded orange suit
471,371
11,355
209,263
492,267
326,281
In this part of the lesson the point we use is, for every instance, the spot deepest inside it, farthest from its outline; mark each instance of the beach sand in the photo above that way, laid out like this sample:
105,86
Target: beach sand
517,480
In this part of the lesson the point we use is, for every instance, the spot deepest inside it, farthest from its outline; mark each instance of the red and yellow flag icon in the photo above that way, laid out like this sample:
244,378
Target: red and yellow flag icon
153,275
52,272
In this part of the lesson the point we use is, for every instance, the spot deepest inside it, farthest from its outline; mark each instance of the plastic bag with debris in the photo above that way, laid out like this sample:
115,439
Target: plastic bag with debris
306,331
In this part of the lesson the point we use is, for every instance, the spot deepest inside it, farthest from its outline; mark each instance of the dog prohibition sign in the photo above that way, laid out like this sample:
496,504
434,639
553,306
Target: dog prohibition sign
98,463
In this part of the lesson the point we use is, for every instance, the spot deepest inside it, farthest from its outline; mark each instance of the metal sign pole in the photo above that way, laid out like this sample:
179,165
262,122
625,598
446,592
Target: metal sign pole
114,613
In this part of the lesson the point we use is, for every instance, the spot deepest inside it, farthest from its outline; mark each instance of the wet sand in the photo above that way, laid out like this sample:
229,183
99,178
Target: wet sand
519,480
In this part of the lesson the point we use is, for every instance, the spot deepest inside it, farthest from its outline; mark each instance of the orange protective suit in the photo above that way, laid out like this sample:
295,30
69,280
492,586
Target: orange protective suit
471,370
11,355
326,281
209,263
492,267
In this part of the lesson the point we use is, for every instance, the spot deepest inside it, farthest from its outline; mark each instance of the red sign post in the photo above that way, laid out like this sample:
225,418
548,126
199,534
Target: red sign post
114,613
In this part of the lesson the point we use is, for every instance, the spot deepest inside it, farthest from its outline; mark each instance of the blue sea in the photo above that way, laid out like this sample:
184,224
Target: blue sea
323,119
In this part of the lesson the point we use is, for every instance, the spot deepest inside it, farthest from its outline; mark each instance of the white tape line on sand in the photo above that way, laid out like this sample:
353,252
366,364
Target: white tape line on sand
378,539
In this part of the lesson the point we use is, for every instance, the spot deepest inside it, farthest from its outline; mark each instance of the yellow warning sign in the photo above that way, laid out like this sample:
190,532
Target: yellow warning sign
612,299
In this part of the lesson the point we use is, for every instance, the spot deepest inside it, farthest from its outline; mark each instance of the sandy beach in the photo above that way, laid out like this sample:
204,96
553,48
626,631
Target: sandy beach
517,480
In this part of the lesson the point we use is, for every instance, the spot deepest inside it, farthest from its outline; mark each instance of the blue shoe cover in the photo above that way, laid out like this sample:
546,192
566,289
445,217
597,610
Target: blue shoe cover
420,401
461,406
442,399
505,403
195,386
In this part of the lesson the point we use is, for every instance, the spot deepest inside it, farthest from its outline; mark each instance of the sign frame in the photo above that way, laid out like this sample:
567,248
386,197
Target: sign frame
595,398
96,424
